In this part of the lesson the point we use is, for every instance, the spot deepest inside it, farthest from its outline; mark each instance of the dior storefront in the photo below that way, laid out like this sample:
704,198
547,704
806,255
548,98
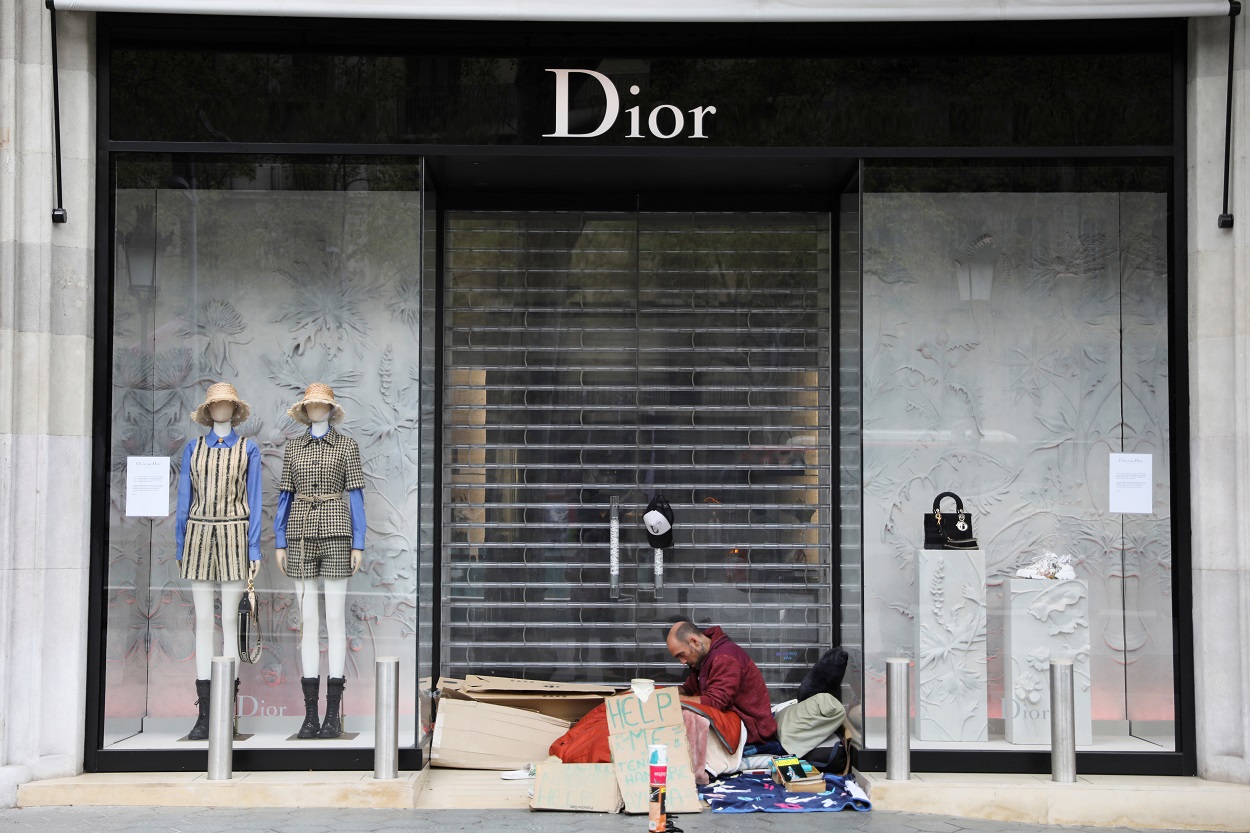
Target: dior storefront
799,279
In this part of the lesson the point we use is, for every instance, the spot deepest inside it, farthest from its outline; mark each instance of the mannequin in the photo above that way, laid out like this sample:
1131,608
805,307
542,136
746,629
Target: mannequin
217,529
319,532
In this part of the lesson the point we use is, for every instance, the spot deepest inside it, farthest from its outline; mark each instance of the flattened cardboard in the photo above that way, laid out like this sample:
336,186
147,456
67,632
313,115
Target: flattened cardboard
566,701
470,735
479,682
632,727
589,788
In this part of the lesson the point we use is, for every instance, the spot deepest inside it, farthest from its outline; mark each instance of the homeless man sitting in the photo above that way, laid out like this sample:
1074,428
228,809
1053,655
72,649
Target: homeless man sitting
726,707
724,677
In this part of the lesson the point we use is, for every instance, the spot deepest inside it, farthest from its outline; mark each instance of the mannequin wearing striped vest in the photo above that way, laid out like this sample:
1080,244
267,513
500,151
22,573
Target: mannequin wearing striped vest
217,529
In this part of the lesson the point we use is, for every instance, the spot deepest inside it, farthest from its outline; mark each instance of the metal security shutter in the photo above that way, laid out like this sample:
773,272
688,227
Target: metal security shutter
600,357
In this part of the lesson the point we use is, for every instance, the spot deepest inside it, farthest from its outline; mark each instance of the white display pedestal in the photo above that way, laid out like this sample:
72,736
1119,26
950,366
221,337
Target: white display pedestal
951,681
1045,618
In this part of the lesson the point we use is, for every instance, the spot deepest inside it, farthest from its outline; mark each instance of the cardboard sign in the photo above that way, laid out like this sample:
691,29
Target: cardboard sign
589,788
633,726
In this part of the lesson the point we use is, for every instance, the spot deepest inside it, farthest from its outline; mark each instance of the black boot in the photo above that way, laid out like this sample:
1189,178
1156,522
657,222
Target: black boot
312,689
333,725
200,730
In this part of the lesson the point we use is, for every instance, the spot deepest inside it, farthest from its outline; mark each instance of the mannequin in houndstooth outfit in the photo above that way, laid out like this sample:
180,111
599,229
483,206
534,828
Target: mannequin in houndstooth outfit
319,530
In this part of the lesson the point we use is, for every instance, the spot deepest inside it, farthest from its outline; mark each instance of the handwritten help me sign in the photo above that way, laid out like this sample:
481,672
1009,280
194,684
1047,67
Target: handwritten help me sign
633,726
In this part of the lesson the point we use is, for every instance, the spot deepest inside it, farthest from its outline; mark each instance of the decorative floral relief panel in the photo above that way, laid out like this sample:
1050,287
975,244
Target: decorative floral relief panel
1011,343
269,290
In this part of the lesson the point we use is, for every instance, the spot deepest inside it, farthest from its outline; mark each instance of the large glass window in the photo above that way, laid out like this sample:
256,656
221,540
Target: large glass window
269,274
1015,352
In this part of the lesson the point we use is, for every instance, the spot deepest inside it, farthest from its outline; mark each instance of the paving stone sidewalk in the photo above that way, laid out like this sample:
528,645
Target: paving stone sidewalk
310,820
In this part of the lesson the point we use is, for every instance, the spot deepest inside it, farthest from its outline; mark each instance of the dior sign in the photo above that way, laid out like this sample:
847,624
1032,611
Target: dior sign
665,121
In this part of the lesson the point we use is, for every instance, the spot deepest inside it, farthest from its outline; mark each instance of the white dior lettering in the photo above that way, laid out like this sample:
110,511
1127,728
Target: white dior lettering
250,706
660,113
1018,709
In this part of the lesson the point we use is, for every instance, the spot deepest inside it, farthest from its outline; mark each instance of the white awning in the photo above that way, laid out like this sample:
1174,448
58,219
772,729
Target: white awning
723,11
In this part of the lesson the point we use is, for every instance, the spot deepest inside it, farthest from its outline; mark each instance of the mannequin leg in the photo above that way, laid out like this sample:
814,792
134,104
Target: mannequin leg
336,656
336,626
205,627
310,613
231,595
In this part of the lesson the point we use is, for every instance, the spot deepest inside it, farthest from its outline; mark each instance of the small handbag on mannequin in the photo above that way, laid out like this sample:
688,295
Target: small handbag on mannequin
249,624
951,530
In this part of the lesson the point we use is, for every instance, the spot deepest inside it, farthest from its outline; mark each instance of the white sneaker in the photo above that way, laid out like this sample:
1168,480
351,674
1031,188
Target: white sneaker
519,774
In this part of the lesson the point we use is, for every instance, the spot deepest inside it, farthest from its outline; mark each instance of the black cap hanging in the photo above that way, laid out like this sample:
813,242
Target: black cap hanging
658,519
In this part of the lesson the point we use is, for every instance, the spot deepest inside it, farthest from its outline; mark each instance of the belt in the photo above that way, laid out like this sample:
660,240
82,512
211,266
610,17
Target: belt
219,520
319,498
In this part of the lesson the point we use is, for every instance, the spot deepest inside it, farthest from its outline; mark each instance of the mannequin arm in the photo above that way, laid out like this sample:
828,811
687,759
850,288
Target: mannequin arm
356,506
184,500
280,555
356,556
253,497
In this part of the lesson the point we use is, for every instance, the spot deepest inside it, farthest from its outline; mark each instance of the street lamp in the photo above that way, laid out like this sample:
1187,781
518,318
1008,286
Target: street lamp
139,254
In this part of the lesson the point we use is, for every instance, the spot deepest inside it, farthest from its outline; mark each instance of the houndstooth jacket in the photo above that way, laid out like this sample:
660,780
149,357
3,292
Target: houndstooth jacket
315,467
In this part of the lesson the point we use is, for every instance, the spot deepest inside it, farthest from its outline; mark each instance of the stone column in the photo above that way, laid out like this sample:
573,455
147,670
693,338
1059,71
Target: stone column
1219,390
46,308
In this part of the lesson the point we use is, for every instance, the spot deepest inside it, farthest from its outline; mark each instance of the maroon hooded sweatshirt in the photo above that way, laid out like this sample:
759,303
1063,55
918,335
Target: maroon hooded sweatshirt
730,680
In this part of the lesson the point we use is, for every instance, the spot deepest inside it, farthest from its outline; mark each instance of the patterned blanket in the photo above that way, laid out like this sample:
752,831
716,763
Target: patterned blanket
749,793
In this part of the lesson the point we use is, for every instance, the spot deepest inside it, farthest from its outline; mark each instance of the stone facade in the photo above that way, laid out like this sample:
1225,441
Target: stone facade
46,354
1219,393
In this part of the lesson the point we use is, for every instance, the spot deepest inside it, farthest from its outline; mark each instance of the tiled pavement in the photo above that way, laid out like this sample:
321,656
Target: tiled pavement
319,820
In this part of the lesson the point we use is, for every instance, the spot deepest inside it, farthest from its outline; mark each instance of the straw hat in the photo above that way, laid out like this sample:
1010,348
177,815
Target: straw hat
318,392
222,392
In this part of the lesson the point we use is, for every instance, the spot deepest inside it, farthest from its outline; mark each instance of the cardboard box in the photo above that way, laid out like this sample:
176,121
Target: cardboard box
589,788
566,701
482,736
633,725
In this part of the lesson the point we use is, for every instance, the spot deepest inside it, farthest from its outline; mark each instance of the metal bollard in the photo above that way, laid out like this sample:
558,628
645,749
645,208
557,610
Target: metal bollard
386,719
897,719
1062,722
221,720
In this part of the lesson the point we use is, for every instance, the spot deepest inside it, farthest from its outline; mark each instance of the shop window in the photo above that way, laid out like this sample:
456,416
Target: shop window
1015,352
269,274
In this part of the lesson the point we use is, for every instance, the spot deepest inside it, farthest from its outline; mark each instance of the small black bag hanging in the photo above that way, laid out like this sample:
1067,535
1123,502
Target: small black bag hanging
949,531
249,624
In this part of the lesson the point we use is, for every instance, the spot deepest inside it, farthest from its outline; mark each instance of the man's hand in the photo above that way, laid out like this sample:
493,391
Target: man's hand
691,698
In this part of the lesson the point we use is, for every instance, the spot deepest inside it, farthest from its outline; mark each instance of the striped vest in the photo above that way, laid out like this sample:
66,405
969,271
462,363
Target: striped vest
219,483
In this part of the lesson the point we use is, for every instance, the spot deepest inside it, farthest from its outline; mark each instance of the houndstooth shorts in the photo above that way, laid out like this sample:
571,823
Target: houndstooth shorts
311,557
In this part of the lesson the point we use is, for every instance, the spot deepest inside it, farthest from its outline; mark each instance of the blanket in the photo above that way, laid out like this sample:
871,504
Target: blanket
587,741
753,792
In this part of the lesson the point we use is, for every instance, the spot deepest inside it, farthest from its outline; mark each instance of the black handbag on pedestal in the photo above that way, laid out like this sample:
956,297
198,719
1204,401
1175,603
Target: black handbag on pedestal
950,530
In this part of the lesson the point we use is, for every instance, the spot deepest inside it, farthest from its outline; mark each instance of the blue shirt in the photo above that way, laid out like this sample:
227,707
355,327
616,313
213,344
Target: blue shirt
253,492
